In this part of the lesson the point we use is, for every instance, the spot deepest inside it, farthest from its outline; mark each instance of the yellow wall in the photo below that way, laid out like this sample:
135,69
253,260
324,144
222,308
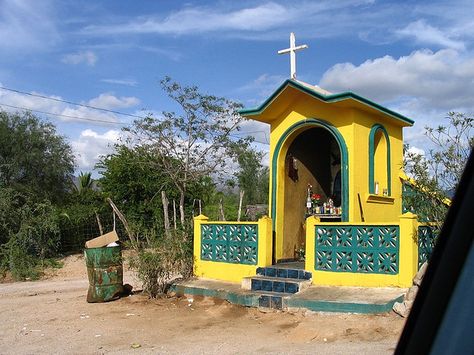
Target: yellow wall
375,208
354,126
407,258
380,162
229,271
294,217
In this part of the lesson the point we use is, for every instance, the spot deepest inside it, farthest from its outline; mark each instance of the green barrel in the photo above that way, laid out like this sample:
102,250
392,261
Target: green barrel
105,272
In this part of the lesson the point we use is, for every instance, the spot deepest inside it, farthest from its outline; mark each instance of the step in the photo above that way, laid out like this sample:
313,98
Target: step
274,284
274,300
282,272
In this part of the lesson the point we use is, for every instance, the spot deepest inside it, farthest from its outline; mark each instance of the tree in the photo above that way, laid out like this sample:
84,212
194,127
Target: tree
35,168
192,143
251,176
436,176
33,157
84,183
131,177
29,233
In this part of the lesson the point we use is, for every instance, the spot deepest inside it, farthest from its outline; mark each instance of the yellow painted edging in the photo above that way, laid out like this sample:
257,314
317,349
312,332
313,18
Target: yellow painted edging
229,271
408,257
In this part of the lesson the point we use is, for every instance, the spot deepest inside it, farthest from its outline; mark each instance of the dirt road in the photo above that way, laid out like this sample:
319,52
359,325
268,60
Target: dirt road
52,316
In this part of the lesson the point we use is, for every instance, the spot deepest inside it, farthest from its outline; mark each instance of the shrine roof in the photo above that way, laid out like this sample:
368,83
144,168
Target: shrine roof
349,97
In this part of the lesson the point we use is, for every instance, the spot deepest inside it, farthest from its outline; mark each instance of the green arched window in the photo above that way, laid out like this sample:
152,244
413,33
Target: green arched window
379,161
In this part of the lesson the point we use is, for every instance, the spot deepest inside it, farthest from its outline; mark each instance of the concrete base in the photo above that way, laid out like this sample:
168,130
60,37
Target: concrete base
347,299
314,298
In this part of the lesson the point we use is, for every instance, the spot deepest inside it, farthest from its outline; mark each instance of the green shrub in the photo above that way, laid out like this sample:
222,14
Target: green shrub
163,260
30,236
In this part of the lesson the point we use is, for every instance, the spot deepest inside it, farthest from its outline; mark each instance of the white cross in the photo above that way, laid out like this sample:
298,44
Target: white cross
292,50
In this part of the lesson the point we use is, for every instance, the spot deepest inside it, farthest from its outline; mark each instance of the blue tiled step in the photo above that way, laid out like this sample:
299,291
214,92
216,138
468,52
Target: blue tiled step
276,284
275,271
274,300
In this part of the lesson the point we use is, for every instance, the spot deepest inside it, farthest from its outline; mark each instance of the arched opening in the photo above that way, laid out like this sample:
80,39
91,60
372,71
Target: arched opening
280,170
379,161
312,176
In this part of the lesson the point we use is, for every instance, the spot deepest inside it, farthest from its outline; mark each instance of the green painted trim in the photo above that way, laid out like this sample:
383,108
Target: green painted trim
333,242
373,131
348,95
243,298
426,241
344,163
226,243
250,299
328,306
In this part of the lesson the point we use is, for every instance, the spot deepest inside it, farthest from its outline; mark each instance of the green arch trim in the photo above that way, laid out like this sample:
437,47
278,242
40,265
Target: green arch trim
344,163
373,131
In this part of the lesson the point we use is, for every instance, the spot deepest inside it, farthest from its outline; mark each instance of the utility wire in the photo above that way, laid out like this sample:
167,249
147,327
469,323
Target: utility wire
66,116
69,102
107,122
235,135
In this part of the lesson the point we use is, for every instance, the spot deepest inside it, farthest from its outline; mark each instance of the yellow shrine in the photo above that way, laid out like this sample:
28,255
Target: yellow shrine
335,190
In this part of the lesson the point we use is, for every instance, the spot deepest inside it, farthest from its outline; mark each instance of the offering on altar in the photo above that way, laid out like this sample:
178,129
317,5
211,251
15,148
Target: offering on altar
315,205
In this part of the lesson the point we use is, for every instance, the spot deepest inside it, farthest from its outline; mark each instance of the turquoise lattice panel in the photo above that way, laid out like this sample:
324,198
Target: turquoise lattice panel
357,249
426,243
230,243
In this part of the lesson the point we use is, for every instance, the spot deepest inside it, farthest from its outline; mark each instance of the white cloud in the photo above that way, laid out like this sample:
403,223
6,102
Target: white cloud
417,151
86,57
202,19
78,114
27,25
223,18
446,25
261,87
67,112
110,101
91,145
260,131
126,82
424,86
441,80
424,33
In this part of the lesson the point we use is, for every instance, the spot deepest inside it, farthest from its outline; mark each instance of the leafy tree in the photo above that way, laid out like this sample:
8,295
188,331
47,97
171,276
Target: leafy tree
251,176
35,168
30,233
131,178
436,176
181,153
85,183
192,143
11,203
33,157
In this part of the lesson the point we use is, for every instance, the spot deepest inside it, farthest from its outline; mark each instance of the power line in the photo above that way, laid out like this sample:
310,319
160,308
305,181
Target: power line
235,135
107,122
66,116
70,102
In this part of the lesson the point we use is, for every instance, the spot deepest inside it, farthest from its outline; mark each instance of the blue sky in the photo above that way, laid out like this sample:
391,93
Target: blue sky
415,57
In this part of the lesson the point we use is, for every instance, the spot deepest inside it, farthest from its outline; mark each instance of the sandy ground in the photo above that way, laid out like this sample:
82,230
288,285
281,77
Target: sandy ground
52,316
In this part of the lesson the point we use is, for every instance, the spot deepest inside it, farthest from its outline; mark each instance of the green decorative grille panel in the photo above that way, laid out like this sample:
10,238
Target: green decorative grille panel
230,243
359,249
426,243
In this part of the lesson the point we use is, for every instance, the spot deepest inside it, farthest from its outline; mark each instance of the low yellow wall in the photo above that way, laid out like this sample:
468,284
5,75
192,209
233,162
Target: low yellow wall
407,257
231,271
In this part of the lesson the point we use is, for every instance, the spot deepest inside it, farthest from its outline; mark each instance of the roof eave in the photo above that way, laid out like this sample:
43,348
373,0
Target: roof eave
348,95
